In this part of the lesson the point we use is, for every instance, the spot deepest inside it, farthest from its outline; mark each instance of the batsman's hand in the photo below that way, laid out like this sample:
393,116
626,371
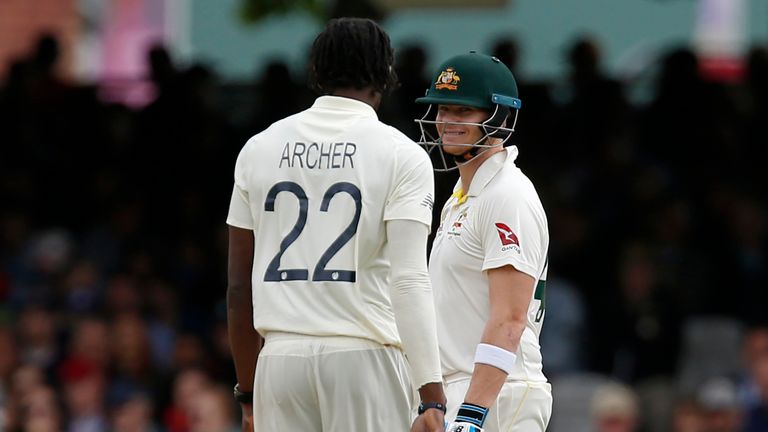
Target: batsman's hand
247,424
463,427
432,420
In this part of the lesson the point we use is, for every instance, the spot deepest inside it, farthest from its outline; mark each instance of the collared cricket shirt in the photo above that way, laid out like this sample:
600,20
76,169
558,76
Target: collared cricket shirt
317,188
499,221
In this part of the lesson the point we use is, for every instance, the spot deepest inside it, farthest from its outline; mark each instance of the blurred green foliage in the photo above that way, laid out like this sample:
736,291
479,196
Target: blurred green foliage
252,11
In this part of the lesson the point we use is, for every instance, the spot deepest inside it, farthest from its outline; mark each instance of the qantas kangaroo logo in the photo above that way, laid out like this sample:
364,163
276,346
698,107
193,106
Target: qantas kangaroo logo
506,235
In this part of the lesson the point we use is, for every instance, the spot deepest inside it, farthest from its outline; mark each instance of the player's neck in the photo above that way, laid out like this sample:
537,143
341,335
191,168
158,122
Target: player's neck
368,95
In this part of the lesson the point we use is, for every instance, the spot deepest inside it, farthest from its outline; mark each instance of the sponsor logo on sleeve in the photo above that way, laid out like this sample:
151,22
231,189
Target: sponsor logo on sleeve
508,238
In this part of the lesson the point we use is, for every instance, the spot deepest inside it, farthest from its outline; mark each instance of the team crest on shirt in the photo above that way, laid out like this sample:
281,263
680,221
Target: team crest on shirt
448,80
508,237
456,226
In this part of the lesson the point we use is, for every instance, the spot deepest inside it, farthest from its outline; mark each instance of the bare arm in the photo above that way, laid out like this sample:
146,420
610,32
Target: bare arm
510,293
244,340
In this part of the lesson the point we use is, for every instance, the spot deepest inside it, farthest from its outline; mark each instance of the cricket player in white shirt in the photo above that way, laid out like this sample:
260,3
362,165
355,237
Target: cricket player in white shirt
328,226
488,263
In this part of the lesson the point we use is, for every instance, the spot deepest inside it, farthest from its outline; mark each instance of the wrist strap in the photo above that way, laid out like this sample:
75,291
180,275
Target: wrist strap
495,356
471,413
428,405
241,396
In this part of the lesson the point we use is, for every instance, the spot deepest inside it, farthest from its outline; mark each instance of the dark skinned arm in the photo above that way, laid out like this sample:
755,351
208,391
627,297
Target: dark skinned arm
244,340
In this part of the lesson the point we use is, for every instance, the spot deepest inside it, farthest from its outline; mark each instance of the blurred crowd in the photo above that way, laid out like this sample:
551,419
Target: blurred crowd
113,258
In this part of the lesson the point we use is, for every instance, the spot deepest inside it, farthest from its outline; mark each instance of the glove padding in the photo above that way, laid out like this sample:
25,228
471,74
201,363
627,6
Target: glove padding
463,427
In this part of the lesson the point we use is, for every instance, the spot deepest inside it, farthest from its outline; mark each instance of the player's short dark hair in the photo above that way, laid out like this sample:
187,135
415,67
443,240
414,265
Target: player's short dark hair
352,53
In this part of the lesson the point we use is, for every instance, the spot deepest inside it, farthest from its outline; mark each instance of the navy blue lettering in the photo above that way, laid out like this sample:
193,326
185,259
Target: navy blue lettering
336,153
312,164
326,154
286,156
318,155
298,154
349,151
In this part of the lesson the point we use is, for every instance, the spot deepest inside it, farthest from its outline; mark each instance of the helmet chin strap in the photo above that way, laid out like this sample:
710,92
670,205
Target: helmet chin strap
473,151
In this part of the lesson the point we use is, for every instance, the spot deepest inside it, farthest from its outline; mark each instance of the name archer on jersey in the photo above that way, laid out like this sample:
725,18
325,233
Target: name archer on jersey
318,155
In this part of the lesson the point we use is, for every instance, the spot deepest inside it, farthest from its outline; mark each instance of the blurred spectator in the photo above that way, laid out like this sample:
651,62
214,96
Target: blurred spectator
507,50
749,257
188,384
44,62
596,113
37,334
40,411
277,96
131,351
718,399
399,108
162,71
26,378
615,409
222,367
687,416
43,260
212,410
688,116
84,395
8,364
123,296
756,356
188,352
564,335
650,322
9,358
133,414
680,264
83,288
751,137
754,348
163,304
90,341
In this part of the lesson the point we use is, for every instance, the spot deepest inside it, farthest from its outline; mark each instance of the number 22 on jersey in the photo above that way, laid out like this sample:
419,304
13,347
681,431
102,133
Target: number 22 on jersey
320,273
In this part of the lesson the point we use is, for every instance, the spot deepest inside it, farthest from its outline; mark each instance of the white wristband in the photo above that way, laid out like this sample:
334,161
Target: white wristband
495,356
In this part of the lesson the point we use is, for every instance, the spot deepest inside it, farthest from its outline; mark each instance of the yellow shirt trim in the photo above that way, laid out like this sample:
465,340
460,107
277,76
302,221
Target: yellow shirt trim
461,196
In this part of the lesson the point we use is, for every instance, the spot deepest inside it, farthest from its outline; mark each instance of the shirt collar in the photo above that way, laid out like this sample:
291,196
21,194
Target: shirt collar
486,172
338,103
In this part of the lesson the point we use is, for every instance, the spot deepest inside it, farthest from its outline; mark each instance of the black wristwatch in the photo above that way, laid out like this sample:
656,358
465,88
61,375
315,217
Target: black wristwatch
436,405
243,397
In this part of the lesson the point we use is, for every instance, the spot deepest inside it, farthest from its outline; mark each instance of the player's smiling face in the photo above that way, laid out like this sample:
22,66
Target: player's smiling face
459,133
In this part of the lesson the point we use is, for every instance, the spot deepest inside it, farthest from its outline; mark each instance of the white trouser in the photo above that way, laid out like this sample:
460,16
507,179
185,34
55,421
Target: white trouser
520,407
329,384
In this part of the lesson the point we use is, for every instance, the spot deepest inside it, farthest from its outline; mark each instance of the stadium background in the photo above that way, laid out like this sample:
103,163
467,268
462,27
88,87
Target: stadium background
643,127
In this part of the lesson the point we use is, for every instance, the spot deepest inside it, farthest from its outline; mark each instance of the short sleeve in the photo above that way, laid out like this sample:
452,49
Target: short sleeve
240,215
412,196
239,210
513,232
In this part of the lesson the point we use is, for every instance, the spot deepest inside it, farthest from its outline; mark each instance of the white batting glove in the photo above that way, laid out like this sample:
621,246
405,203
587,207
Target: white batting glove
463,427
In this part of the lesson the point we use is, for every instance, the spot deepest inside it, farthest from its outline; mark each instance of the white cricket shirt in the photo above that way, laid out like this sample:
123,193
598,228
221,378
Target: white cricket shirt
501,222
316,189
